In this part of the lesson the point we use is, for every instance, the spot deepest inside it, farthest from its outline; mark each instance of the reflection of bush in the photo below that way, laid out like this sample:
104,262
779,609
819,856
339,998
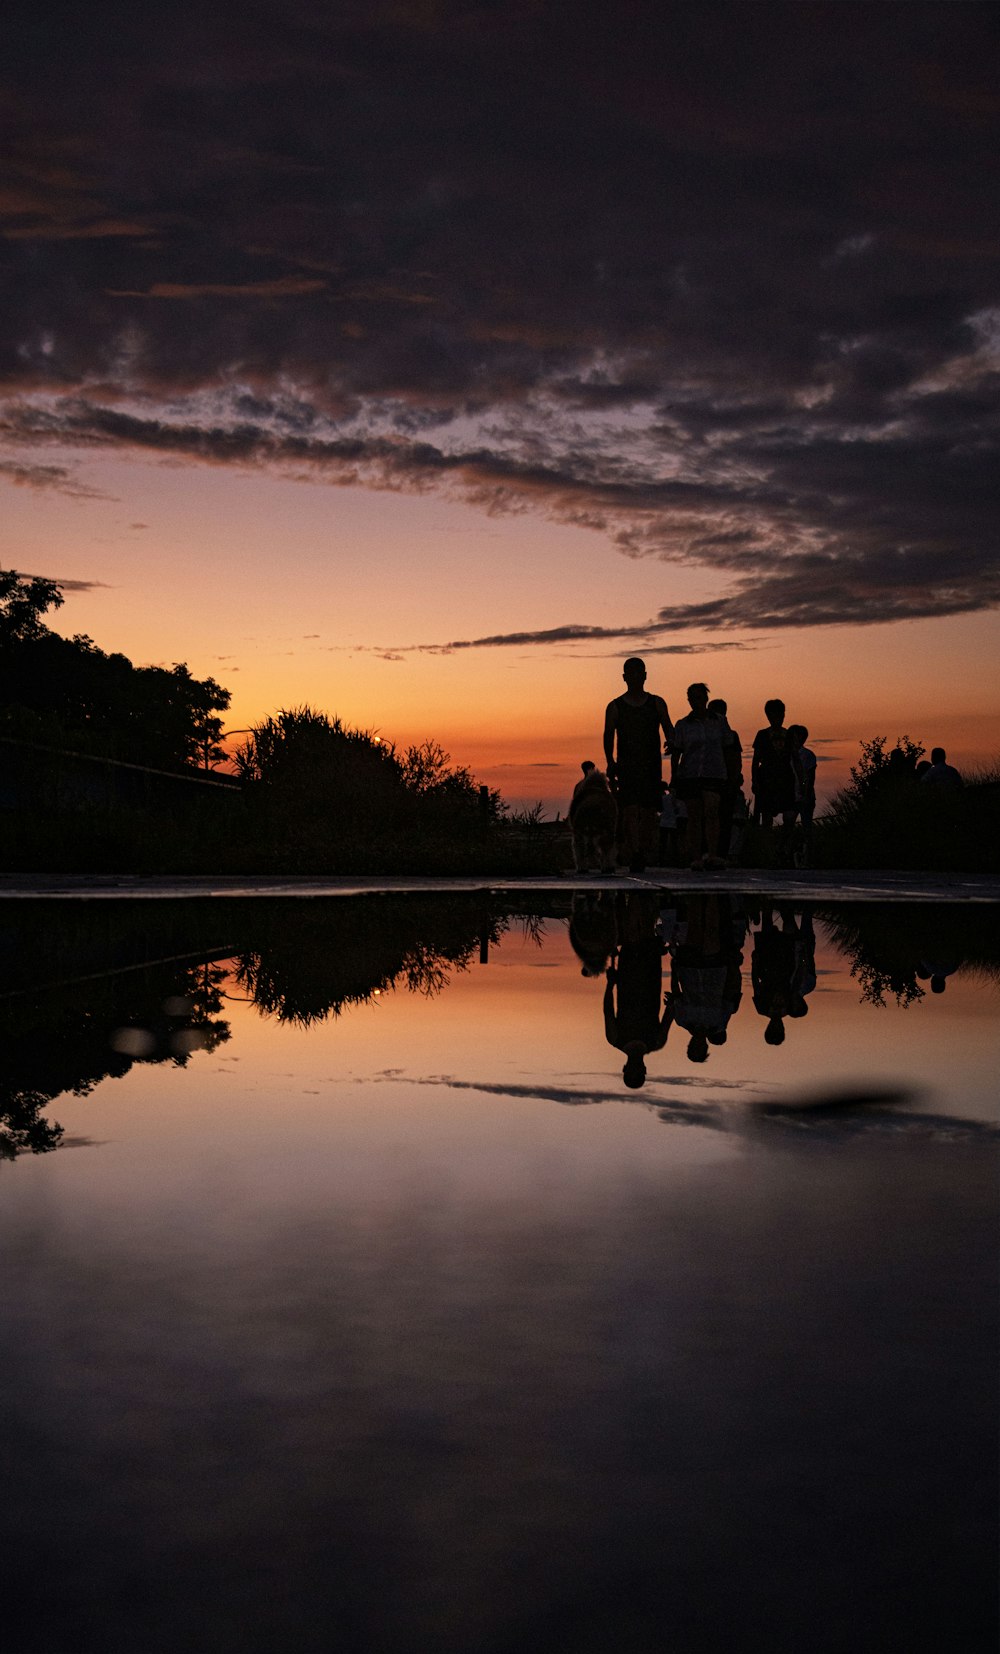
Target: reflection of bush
310,960
68,1038
891,945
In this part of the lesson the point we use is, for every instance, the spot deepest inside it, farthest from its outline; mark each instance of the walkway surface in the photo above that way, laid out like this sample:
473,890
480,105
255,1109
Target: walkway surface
783,885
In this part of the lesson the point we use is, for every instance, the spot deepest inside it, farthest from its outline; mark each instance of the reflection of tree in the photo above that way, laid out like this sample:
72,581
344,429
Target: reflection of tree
66,1039
310,960
888,944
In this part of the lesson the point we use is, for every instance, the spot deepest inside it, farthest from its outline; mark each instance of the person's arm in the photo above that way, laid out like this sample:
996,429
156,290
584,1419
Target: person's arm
610,725
755,765
676,735
732,754
665,724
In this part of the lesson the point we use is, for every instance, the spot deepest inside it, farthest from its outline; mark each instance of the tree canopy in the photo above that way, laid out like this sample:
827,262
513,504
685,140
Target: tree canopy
67,691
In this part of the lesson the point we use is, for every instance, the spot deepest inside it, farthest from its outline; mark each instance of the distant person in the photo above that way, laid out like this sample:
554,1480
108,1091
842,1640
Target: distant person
772,778
636,1020
593,820
728,807
804,767
941,774
632,728
700,774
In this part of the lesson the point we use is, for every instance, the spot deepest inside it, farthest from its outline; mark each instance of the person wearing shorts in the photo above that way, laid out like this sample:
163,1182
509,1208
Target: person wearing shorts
699,774
633,724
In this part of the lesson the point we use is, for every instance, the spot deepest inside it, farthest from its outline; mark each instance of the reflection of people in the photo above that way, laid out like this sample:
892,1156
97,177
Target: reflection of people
804,973
632,727
771,972
592,931
705,977
635,1021
937,972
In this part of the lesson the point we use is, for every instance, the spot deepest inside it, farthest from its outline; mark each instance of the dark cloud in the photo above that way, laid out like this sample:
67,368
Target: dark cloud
57,478
72,585
721,285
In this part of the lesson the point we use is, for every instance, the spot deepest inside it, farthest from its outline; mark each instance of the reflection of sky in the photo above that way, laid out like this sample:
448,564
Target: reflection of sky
308,1341
350,1104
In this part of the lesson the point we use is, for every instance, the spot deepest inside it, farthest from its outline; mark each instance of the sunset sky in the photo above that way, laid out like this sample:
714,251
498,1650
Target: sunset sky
422,360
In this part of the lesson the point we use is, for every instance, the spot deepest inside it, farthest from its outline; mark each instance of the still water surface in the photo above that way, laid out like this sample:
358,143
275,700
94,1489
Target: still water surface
362,1305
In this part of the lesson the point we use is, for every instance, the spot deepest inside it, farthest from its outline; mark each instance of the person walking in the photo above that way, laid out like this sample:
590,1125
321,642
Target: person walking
633,724
699,774
772,778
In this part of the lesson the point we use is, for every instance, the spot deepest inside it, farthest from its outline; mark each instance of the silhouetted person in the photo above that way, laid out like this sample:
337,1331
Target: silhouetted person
804,767
941,775
699,774
632,728
638,1023
728,806
772,777
593,820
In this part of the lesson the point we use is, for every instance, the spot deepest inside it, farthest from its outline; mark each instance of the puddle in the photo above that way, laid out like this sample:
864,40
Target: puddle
416,1284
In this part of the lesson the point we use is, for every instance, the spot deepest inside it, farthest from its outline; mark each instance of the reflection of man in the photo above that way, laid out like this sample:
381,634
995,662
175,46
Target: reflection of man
772,970
634,753
637,1024
706,981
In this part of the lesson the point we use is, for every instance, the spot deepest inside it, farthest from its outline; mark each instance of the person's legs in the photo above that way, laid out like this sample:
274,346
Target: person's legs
648,829
629,832
710,807
696,827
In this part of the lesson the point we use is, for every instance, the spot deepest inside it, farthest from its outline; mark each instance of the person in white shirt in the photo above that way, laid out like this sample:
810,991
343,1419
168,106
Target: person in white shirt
699,774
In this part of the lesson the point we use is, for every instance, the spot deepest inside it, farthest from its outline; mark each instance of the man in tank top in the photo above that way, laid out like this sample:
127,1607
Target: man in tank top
634,752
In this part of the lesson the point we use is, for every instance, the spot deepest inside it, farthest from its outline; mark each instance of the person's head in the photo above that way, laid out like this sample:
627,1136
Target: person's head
697,696
697,1050
774,1033
588,765
634,672
717,1036
718,708
798,1007
938,755
634,1072
774,712
798,734
938,984
922,768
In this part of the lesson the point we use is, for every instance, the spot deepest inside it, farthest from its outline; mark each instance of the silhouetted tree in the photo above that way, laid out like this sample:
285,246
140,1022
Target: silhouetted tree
67,691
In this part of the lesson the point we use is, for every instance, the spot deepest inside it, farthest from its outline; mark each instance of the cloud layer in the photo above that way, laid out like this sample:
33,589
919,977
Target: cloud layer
721,285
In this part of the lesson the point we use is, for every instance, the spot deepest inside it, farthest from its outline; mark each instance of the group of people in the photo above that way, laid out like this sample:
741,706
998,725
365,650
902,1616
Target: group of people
625,937
702,805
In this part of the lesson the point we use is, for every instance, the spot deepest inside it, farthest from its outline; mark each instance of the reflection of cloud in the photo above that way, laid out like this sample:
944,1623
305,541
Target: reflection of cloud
819,1116
737,318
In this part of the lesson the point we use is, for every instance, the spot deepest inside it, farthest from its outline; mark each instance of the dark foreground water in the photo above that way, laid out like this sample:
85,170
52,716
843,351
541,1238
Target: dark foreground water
361,1305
